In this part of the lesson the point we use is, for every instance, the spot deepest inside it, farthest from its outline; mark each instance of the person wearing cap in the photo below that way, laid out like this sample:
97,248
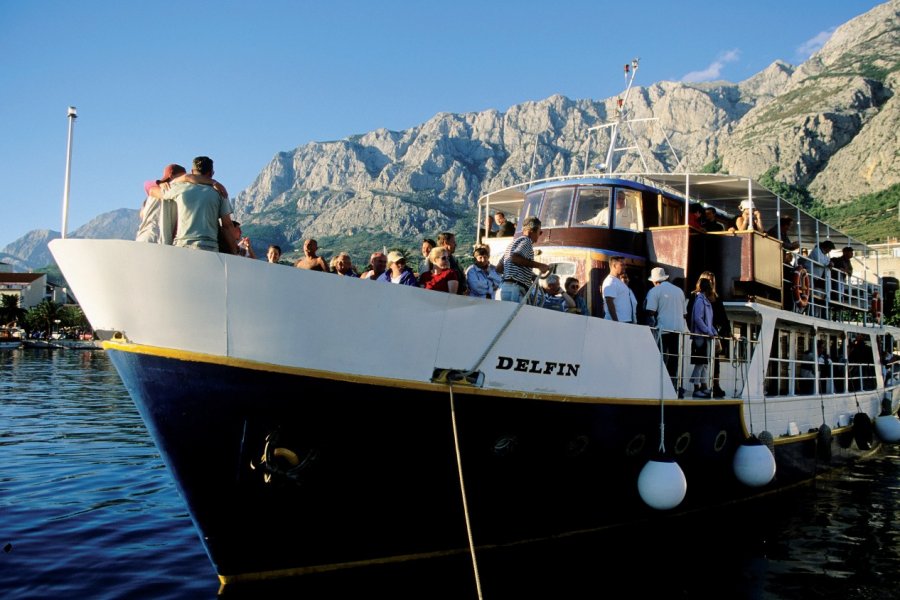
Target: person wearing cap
745,223
201,207
377,265
158,216
666,306
518,261
397,271
482,278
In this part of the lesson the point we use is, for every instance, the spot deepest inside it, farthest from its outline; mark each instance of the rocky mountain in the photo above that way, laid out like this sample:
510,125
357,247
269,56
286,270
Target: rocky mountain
828,125
30,251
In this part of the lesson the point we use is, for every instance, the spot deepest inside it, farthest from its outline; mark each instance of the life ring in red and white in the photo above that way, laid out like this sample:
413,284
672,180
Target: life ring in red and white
801,287
875,307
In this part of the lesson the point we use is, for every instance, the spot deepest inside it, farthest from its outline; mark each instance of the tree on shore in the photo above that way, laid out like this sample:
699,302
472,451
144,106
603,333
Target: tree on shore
10,311
44,316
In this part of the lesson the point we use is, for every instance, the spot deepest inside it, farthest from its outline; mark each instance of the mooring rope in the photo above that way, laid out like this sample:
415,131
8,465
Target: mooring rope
462,489
509,320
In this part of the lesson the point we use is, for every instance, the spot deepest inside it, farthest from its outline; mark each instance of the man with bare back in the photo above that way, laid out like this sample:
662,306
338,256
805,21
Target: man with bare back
310,261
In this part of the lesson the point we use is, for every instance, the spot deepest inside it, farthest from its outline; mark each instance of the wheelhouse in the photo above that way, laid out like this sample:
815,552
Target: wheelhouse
645,219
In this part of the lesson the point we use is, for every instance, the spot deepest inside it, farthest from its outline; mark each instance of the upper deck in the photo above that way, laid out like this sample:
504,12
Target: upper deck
645,216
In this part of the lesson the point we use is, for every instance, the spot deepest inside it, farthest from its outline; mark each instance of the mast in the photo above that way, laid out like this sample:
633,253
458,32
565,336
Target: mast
630,72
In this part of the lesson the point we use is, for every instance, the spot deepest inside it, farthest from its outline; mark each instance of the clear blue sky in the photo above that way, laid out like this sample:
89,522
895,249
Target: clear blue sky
160,82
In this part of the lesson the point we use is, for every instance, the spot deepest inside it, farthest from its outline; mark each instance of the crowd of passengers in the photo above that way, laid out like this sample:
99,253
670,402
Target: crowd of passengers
827,272
199,217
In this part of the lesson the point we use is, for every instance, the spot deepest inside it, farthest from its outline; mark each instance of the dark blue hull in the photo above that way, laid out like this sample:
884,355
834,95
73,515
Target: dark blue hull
366,472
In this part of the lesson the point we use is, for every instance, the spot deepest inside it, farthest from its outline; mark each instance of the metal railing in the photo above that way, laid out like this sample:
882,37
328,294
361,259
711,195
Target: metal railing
833,294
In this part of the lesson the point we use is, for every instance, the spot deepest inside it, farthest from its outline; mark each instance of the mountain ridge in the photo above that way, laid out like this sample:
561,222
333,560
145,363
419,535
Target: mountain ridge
828,125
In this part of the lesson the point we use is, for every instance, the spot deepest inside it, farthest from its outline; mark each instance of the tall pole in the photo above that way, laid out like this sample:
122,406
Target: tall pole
65,212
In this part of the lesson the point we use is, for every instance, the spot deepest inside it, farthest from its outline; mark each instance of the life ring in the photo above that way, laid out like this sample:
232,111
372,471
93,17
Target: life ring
875,307
801,287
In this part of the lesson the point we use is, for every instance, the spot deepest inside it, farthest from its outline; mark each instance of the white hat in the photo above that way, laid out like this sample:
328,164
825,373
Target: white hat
658,274
745,205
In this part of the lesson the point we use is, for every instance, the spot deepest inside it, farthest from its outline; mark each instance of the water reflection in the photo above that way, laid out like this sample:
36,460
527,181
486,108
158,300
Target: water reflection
90,511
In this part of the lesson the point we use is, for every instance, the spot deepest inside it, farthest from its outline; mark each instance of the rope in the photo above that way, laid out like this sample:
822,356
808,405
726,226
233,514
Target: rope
745,368
509,320
462,489
663,373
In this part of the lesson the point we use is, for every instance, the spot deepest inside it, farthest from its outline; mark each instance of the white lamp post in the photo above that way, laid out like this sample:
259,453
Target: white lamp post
65,215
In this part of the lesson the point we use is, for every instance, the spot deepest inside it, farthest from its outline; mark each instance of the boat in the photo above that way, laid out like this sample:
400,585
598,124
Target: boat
9,338
303,443
41,344
82,343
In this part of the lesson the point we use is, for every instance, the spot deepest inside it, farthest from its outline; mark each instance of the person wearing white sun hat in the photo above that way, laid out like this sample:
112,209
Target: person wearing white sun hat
666,307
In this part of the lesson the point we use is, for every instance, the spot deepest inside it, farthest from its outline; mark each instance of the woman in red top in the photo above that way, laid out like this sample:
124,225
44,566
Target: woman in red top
441,277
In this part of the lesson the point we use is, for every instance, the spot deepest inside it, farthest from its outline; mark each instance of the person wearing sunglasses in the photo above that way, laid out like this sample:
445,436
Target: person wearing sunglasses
442,277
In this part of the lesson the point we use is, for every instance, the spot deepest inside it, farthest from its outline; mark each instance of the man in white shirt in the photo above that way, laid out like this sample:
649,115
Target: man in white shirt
666,307
616,295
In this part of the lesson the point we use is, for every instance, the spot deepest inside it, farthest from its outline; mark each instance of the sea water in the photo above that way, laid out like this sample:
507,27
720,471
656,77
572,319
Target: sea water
88,510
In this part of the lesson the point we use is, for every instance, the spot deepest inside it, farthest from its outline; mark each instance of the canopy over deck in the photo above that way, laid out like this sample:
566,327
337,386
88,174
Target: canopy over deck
724,192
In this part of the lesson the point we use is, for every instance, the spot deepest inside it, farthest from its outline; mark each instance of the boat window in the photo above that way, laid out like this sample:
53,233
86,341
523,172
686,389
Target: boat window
564,269
890,359
671,212
778,371
792,363
556,206
860,364
531,207
834,358
748,334
592,207
628,210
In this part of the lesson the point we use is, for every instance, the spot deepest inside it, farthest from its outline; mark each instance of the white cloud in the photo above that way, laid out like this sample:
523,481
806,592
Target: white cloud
811,46
714,70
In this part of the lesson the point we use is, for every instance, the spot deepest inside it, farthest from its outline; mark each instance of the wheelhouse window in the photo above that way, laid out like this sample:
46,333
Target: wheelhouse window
592,207
628,210
531,207
556,207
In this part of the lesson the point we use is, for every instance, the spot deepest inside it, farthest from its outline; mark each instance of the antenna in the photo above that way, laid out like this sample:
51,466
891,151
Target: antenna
630,72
